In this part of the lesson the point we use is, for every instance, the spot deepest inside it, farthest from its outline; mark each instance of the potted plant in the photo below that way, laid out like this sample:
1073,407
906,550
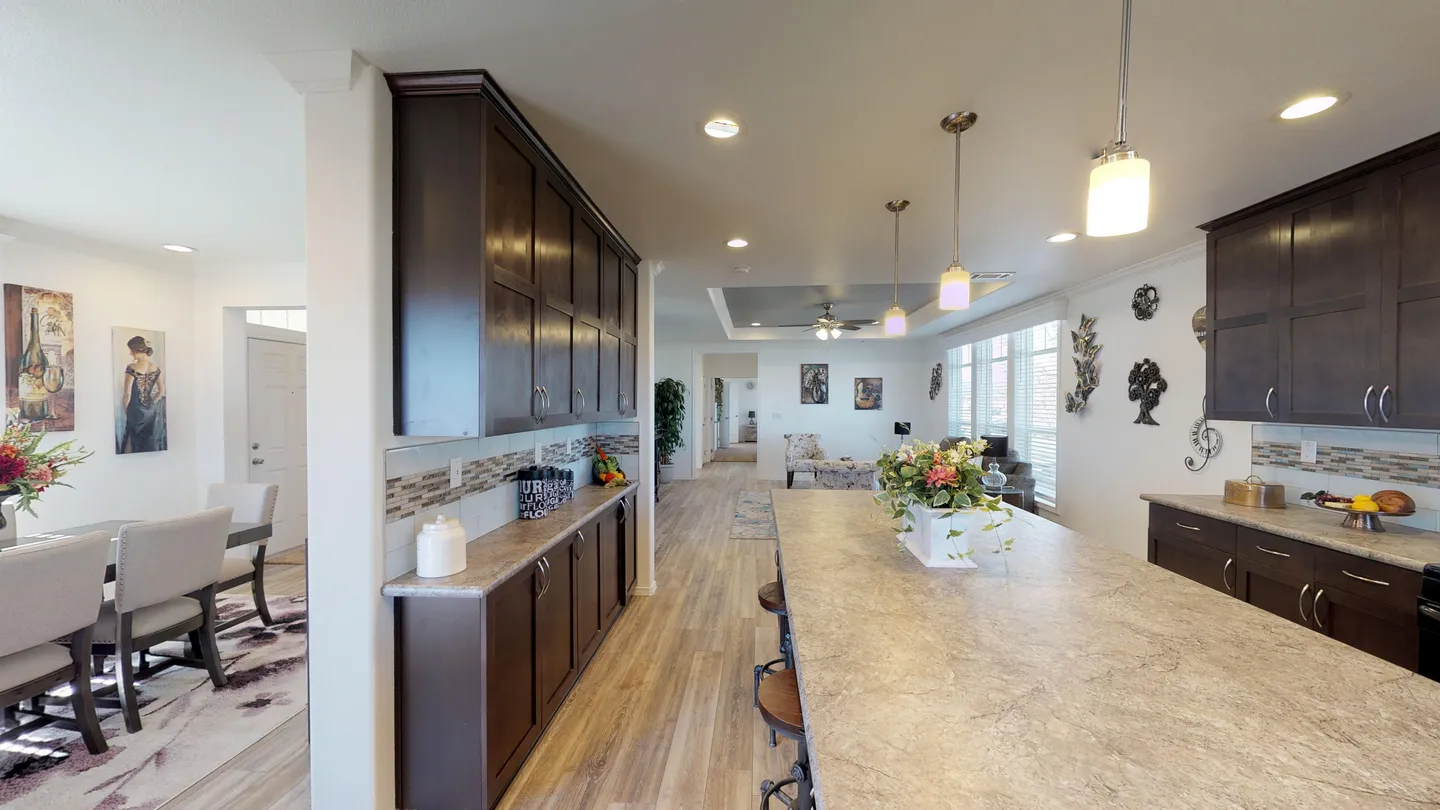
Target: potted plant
669,424
938,502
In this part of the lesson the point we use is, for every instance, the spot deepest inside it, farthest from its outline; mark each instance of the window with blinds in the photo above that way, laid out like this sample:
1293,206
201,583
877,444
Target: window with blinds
1009,385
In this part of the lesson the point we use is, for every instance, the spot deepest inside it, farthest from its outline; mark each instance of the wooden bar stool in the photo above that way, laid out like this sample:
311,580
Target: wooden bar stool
780,709
772,599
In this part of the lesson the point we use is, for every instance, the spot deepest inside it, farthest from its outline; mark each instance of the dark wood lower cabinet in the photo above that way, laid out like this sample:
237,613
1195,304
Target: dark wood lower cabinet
477,680
1365,604
1208,566
628,535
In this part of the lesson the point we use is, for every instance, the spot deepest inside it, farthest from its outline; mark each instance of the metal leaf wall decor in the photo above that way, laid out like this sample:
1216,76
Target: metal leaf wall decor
1087,369
935,382
1146,386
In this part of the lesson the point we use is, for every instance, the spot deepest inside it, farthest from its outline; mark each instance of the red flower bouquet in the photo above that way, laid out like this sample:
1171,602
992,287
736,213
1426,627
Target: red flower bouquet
27,471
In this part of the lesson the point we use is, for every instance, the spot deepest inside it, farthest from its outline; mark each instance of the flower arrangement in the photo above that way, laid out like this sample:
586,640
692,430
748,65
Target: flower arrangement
922,475
27,470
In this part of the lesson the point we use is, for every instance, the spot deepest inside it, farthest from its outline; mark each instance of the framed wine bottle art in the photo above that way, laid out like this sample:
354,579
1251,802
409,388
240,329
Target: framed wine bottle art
40,358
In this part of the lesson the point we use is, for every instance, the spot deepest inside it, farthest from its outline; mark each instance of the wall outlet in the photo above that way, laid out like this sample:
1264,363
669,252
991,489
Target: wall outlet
1307,452
454,473
775,416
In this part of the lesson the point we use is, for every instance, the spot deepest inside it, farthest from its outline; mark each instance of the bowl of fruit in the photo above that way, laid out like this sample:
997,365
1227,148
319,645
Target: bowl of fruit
1364,511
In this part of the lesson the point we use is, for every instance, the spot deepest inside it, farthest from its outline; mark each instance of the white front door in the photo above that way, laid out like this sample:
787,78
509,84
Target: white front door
277,434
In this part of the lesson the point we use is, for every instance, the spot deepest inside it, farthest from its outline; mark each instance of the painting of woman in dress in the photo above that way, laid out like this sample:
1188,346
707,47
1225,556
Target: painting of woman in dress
140,405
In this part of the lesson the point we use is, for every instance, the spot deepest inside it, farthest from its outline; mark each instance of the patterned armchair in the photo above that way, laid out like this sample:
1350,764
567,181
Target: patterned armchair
802,450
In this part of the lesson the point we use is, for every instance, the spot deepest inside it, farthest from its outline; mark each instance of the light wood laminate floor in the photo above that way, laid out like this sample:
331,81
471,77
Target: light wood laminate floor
661,719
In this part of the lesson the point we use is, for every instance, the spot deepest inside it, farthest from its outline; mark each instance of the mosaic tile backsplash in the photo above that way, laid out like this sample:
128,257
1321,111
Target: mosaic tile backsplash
1353,461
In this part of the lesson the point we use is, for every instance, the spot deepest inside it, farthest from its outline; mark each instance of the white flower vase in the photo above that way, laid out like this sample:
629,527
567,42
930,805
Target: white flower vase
8,528
929,536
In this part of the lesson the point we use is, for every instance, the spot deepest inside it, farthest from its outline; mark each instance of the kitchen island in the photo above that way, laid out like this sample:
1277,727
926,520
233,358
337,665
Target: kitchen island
1070,674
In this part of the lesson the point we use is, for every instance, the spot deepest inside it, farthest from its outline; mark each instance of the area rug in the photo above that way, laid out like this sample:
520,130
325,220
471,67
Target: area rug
735,452
190,728
754,516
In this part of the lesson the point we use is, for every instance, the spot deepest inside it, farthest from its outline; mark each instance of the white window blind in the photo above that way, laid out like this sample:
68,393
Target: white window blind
1008,385
960,417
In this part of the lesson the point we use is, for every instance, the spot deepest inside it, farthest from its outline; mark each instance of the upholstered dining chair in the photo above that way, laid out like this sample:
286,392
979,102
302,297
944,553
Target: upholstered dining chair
51,591
802,450
253,503
165,576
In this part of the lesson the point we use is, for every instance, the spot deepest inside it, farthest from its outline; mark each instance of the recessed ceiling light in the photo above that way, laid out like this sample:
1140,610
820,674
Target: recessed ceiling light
179,248
736,243
722,128
754,324
1306,107
1063,236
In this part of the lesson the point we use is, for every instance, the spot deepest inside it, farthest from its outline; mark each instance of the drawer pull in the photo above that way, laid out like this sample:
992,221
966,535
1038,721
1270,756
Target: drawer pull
1272,551
1188,526
1379,582
1304,591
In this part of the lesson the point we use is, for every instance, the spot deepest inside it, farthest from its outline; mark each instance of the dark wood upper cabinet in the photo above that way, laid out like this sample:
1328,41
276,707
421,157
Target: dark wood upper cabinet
500,258
627,378
1324,302
609,385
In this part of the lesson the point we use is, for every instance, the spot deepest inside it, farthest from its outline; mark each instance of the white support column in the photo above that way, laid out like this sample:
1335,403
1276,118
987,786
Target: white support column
348,294
645,382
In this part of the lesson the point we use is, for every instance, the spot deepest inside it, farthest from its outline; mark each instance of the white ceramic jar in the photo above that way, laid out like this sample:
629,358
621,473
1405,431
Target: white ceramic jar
440,548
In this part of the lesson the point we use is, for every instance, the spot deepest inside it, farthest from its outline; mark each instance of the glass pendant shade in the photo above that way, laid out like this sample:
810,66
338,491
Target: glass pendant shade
835,334
955,288
1119,200
895,321
823,334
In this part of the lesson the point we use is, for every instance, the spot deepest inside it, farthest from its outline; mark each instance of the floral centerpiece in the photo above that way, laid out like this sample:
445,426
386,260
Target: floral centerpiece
936,497
28,471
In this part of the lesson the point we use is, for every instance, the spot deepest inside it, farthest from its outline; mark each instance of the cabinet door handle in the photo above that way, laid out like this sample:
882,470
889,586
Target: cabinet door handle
1188,527
581,394
1315,608
1272,551
544,403
539,412
1379,582
624,510
1304,591
1268,396
1369,392
1385,392
580,546
1225,575
1430,613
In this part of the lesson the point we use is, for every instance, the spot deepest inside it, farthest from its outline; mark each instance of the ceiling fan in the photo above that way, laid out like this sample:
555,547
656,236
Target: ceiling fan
828,326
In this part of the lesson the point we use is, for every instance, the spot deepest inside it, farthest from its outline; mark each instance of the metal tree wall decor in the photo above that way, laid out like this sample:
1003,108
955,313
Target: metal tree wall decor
1146,386
1205,440
1087,370
935,382
1145,302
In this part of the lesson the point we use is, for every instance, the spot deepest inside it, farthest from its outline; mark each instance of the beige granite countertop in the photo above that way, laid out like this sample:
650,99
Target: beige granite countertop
492,558
1397,545
1077,676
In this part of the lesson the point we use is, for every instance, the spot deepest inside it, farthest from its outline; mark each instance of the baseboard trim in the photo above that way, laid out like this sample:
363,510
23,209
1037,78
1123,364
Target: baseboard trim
645,590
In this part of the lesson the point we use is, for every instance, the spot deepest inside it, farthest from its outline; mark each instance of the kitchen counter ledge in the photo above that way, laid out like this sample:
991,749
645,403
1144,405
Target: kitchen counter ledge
1073,675
492,558
1398,545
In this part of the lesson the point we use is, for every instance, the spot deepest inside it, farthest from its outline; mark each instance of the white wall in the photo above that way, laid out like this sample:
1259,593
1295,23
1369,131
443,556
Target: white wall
1106,460
746,400
678,363
111,293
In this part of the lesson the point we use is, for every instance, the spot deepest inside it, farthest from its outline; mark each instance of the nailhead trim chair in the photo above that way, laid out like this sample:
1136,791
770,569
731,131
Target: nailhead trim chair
252,503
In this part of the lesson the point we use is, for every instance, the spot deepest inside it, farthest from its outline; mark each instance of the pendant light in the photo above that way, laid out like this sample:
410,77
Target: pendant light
895,316
955,282
1119,201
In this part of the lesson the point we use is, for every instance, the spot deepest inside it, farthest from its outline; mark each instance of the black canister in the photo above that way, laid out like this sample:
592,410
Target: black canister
568,477
532,494
552,487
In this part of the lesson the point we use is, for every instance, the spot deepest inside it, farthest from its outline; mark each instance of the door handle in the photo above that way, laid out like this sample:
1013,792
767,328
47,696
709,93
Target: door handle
537,411
1225,575
624,510
1188,526
544,566
1304,591
1268,396
581,394
580,546
544,403
1369,392
255,445
1385,392
257,461
1315,608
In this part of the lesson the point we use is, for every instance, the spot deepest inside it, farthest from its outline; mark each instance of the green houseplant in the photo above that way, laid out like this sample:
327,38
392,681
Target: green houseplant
669,421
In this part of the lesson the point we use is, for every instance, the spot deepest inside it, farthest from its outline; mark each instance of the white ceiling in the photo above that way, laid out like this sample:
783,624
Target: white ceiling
153,121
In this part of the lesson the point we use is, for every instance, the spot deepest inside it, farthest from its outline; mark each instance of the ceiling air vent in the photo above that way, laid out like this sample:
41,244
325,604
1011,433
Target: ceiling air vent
991,276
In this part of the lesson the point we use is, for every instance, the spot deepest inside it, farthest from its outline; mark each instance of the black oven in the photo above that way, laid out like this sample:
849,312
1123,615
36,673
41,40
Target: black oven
1429,616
